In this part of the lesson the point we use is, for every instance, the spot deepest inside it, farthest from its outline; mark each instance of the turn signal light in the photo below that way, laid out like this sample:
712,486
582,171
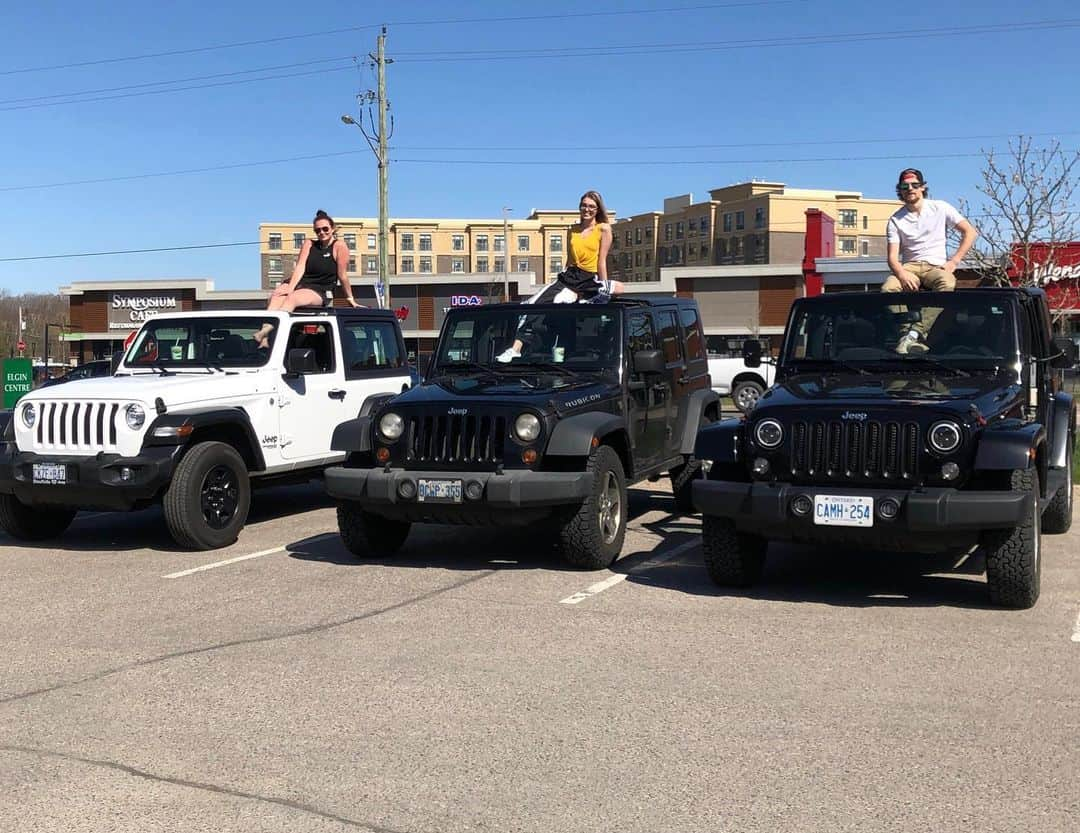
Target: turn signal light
528,456
383,455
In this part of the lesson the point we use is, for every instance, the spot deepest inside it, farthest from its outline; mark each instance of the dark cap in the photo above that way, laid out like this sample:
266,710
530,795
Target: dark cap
910,172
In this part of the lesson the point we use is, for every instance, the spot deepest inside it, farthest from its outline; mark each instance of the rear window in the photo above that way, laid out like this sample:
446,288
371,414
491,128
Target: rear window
691,325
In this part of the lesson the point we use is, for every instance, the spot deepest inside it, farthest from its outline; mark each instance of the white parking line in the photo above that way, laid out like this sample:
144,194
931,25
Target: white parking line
1076,629
611,581
247,557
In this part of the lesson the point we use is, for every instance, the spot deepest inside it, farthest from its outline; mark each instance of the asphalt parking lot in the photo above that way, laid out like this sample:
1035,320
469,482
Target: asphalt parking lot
472,683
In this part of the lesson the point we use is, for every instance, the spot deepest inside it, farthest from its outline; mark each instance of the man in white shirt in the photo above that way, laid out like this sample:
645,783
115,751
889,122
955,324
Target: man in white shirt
916,245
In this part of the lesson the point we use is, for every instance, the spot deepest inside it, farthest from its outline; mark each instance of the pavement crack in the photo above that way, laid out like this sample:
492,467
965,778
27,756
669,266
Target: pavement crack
254,640
199,785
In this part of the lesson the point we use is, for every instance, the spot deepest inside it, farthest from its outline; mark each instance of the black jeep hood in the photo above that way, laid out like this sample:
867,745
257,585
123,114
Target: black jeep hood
940,392
575,395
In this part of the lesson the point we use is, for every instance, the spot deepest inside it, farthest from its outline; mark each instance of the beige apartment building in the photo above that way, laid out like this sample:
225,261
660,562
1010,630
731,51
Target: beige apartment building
443,247
747,223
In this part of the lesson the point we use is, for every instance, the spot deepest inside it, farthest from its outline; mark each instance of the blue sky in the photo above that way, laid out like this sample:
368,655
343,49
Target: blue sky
752,87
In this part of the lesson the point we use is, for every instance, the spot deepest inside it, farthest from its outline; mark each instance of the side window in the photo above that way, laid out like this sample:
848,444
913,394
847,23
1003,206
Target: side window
639,333
670,343
314,336
691,325
370,346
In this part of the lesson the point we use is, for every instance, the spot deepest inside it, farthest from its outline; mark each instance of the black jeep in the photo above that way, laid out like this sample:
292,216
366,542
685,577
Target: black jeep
601,396
867,441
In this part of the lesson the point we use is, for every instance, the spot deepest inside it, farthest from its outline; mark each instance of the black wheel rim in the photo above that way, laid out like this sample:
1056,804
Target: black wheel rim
219,497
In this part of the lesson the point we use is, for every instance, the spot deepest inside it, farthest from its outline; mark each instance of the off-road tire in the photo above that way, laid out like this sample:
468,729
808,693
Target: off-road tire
733,558
1057,519
746,394
683,477
33,523
1014,556
366,534
592,536
207,502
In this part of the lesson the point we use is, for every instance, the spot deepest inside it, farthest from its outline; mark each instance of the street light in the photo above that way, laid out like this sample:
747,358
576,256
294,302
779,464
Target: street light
384,221
506,253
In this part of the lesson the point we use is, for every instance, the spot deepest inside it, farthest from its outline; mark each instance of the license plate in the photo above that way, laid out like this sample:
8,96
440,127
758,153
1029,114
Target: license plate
52,473
843,510
439,491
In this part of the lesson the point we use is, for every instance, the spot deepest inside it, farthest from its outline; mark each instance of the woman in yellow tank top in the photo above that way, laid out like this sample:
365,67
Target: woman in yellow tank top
585,277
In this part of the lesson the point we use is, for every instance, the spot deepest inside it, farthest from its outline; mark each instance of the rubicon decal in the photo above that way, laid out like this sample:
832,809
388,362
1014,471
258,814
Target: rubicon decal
583,400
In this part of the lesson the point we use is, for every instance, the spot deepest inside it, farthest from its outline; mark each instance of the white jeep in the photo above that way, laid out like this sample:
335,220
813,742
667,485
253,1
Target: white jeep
198,411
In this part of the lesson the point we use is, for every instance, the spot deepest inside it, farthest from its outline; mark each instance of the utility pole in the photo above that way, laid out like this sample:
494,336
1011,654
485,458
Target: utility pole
377,139
506,254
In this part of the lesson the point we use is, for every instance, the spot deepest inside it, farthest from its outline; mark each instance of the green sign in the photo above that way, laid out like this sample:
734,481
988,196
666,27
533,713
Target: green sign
18,379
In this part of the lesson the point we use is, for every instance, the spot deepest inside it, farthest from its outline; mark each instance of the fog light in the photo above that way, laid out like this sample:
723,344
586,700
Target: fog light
950,471
383,455
407,489
801,505
125,473
706,466
888,508
760,468
528,456
474,490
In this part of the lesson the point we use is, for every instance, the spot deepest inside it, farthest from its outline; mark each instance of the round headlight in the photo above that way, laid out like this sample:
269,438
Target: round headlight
29,415
769,433
527,428
391,426
134,416
945,436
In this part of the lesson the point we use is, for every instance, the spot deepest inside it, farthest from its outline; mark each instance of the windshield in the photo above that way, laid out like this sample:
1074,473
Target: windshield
199,342
940,331
565,338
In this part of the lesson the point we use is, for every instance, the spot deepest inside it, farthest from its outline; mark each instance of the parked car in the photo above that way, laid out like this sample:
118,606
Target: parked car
969,442
196,414
731,376
602,396
88,370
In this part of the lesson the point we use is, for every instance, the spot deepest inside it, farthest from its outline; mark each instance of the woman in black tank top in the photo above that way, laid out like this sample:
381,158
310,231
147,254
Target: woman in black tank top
320,265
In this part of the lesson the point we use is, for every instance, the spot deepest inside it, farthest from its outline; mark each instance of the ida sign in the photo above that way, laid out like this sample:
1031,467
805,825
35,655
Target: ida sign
18,379
466,301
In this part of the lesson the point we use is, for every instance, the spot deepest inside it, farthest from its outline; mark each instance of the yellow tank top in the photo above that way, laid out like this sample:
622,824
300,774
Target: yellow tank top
585,249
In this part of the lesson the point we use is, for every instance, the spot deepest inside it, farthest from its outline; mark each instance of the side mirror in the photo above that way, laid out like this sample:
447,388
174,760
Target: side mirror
1066,351
299,361
649,361
751,352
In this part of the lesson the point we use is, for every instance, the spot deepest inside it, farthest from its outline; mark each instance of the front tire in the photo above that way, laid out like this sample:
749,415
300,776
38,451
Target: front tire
367,534
733,558
33,523
1014,556
1057,519
207,503
593,536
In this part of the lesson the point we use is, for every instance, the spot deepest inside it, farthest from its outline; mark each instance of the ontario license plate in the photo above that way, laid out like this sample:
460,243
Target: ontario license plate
51,473
843,510
439,491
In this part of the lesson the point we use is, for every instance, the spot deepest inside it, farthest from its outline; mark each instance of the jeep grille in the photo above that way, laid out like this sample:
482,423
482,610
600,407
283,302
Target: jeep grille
455,439
855,450
76,427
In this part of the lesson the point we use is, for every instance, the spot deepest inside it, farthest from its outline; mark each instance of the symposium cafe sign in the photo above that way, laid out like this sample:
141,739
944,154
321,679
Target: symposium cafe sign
128,310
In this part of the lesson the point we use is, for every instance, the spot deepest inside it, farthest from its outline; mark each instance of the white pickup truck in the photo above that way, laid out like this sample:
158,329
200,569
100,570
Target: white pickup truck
199,410
731,377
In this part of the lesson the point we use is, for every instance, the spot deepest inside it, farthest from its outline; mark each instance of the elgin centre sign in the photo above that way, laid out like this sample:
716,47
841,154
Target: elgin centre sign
128,310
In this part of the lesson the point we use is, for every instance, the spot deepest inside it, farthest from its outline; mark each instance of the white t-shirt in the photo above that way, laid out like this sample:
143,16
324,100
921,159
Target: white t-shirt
921,234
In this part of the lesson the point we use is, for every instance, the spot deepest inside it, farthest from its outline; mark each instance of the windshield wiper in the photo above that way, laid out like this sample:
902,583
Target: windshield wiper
475,367
920,359
555,366
853,368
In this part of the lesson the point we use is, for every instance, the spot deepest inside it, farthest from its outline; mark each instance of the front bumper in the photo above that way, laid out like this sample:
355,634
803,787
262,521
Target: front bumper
378,490
765,508
92,482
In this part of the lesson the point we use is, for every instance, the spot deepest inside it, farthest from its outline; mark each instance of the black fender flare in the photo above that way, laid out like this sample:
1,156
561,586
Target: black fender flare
573,436
171,429
1008,445
7,422
355,434
720,441
696,405
1063,419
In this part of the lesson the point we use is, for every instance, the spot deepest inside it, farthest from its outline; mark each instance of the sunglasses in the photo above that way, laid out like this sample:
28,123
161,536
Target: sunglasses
909,186
584,207
319,229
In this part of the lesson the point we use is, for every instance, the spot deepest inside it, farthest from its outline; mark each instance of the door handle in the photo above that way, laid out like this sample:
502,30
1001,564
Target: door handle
336,393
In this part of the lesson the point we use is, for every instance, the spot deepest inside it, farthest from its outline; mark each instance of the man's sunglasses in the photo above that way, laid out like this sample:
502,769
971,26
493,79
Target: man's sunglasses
322,228
909,186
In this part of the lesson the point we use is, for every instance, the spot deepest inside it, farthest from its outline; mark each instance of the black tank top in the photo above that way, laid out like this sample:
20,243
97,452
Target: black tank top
320,271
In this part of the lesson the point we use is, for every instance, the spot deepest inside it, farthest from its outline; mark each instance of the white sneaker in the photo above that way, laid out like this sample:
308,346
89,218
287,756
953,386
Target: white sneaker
909,343
508,355
565,296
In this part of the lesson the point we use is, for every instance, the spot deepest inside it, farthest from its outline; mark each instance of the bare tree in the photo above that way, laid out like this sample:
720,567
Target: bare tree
1027,211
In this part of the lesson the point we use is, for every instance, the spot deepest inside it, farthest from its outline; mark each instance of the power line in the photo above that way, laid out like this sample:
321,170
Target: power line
129,251
665,162
434,22
652,47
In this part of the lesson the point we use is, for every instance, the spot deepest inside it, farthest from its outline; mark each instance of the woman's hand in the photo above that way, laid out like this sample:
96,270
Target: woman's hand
352,302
